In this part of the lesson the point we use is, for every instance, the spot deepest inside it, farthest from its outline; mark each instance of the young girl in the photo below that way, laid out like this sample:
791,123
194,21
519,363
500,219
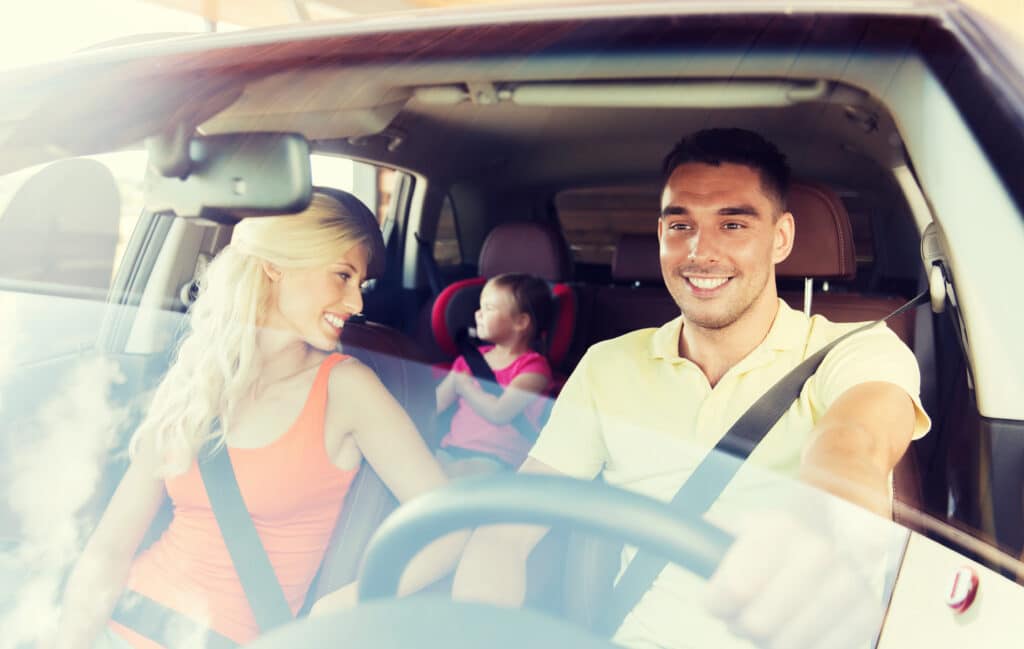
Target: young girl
295,418
514,312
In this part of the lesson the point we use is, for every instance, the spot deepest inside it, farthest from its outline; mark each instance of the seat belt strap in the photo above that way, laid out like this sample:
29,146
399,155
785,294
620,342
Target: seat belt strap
489,382
716,471
165,626
430,268
262,589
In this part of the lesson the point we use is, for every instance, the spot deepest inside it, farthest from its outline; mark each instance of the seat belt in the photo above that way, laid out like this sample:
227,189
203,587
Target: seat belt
430,267
489,382
716,470
262,589
163,625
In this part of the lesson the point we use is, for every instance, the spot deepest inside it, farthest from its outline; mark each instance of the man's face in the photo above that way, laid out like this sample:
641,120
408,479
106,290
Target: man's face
720,240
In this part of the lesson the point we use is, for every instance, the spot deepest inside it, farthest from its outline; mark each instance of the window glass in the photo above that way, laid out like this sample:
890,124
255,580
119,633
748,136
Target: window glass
447,250
594,218
373,185
65,225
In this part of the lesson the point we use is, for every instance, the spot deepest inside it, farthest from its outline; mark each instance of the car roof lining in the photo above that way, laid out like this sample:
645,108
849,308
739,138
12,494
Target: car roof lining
722,46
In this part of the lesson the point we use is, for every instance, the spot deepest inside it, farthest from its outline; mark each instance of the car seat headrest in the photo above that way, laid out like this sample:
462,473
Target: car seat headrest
823,245
636,259
62,226
525,248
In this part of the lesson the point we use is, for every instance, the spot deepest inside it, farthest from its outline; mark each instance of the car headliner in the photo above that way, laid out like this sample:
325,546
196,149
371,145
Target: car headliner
325,96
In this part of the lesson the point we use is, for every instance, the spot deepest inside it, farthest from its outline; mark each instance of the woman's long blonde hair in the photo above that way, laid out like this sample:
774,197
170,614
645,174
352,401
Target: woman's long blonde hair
214,367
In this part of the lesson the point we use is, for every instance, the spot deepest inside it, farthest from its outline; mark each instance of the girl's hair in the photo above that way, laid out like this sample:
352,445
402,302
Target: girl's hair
215,363
531,296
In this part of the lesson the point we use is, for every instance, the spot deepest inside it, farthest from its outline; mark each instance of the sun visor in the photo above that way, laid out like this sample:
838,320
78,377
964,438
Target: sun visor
226,177
319,104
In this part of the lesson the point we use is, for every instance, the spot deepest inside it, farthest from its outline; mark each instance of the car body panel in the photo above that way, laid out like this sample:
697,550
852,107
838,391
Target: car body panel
919,615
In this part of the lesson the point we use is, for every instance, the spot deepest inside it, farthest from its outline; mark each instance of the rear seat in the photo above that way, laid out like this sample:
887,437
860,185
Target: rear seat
638,298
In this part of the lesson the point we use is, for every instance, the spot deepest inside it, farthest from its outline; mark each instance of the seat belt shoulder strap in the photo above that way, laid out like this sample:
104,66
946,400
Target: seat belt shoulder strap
717,469
489,382
260,583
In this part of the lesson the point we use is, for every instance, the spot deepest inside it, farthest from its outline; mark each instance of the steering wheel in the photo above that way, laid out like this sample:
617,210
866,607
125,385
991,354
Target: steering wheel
383,622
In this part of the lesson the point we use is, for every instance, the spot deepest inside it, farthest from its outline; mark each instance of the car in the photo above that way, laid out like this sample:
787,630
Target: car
500,139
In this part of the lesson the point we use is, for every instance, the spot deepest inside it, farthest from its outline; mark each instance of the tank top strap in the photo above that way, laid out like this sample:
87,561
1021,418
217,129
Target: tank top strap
318,393
311,419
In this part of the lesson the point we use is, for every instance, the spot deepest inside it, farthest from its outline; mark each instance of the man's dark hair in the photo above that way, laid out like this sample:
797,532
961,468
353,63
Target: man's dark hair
716,146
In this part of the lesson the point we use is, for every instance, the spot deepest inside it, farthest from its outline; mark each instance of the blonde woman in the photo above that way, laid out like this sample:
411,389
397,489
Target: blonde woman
296,418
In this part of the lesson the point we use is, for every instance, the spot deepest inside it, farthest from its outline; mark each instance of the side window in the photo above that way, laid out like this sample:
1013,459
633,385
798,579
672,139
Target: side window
64,225
373,185
447,249
594,218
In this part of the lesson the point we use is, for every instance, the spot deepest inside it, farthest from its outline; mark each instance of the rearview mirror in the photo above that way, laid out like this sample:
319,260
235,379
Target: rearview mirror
231,176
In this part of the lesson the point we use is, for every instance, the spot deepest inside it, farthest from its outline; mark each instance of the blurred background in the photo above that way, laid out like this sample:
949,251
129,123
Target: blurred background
37,30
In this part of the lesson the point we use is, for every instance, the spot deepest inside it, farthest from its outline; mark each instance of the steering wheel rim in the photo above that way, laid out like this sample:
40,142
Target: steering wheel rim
592,507
391,623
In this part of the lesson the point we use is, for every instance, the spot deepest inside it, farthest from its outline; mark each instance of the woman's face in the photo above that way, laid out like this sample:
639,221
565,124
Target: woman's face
314,303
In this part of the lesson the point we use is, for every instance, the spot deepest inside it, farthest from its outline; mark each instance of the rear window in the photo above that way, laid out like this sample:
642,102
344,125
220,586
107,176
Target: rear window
594,218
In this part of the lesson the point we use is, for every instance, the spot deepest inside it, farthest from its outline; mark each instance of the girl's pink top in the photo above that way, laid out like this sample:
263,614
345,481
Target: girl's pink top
473,432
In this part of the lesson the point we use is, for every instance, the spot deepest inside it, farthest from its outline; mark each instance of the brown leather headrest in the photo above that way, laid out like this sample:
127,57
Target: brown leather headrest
636,259
525,248
823,246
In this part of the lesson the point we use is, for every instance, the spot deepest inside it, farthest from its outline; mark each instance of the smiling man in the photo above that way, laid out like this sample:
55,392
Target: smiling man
643,410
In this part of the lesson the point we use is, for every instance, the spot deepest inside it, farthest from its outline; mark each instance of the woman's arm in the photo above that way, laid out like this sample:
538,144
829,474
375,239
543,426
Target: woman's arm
99,575
389,441
501,410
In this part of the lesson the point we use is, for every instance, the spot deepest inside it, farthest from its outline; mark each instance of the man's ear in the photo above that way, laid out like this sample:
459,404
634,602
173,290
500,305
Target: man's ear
272,272
785,232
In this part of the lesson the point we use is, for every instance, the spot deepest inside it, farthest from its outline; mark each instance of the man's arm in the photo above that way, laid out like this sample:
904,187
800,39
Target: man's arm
815,592
493,565
858,442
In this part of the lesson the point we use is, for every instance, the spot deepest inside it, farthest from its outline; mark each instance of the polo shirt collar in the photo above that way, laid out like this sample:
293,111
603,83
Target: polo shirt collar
788,331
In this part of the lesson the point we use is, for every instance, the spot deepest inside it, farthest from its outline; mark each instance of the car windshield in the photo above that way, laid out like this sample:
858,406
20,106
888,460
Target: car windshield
605,275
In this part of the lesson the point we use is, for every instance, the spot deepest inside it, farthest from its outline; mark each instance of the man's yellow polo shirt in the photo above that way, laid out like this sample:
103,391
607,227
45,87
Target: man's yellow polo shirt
644,417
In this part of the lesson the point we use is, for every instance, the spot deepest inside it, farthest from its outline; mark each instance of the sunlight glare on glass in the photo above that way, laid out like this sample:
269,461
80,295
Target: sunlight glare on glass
39,30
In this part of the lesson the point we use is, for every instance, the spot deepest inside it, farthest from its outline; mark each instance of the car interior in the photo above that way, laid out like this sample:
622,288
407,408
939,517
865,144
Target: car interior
535,146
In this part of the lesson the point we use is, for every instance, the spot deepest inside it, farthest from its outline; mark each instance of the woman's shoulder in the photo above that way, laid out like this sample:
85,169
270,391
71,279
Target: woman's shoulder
346,368
351,386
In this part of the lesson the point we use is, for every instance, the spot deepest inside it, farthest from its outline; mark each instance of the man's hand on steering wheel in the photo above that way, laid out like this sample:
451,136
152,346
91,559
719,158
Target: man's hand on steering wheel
791,581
